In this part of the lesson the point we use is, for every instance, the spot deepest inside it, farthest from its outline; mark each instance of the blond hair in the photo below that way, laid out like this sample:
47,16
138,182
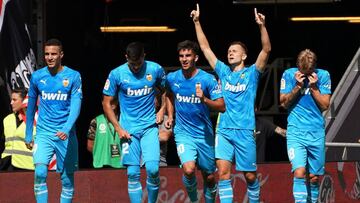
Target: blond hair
306,59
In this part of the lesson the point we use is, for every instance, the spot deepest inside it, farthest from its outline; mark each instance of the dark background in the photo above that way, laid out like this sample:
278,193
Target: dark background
94,54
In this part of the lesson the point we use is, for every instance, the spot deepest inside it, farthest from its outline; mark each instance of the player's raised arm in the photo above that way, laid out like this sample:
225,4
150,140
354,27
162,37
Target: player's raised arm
203,42
265,42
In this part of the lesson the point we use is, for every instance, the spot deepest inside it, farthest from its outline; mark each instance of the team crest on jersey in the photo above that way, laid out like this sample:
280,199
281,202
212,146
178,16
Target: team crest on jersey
242,76
149,77
282,84
65,82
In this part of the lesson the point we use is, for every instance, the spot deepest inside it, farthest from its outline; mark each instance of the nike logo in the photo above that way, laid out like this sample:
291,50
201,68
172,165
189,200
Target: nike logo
43,81
126,80
177,85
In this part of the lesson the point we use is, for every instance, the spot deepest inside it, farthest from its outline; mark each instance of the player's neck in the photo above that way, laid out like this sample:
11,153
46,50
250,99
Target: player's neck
238,67
189,73
55,70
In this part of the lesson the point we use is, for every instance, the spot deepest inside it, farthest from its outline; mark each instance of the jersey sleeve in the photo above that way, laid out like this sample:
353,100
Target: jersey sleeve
168,82
33,91
214,88
76,91
161,77
110,87
255,72
220,68
75,104
325,83
285,84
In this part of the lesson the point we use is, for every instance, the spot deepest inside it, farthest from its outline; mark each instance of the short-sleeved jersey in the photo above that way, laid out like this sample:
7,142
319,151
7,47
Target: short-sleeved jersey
136,93
239,91
55,93
192,116
304,112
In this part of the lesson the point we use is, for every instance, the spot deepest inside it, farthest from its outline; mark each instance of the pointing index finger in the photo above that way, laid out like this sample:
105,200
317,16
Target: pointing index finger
255,11
197,7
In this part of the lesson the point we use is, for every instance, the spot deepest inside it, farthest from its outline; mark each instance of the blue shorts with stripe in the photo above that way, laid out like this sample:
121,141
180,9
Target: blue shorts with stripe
306,148
238,144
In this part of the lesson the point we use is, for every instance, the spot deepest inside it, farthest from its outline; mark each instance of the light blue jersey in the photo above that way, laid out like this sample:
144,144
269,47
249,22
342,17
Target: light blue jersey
304,113
136,93
193,129
239,91
55,94
193,116
305,132
60,101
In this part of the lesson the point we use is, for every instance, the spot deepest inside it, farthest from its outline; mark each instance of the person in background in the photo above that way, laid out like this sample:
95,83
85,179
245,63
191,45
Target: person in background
265,129
103,141
16,155
305,91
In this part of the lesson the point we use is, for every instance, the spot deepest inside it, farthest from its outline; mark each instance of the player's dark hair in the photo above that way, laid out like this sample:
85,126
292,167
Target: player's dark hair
54,42
187,44
135,50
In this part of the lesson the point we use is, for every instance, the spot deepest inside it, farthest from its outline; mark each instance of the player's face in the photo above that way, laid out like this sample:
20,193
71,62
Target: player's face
187,58
236,54
135,65
53,56
16,102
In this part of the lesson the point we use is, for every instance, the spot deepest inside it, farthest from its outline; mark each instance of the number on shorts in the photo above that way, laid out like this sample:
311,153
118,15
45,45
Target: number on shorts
180,148
125,148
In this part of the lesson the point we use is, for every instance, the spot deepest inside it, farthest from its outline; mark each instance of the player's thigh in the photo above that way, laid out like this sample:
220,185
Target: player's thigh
150,145
43,150
316,153
224,149
67,154
296,150
131,151
186,148
245,150
206,154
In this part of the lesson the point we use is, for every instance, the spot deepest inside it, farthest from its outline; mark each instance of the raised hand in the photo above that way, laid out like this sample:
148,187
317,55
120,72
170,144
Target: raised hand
259,18
195,14
199,92
300,77
313,78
